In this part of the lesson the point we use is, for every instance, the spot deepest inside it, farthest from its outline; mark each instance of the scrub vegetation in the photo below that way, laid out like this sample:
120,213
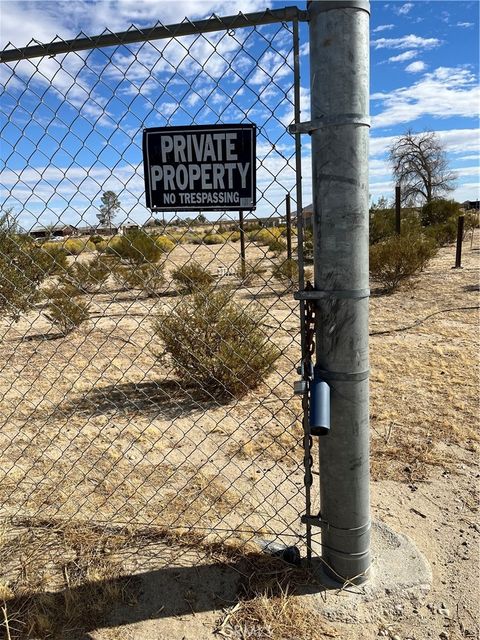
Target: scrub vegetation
155,427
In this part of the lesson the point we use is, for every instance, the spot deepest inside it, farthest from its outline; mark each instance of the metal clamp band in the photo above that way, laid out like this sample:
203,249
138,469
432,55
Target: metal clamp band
316,294
329,121
343,4
342,375
318,521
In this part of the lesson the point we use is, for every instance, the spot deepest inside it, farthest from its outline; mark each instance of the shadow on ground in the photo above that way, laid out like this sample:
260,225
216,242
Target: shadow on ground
156,594
164,398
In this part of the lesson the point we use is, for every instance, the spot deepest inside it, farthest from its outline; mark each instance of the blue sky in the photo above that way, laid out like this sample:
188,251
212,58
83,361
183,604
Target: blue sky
71,125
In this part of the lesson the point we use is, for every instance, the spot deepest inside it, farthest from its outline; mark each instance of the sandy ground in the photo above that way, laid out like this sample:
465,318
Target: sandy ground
99,441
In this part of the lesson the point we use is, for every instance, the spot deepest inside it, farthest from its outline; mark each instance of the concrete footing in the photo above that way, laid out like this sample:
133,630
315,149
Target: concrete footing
399,572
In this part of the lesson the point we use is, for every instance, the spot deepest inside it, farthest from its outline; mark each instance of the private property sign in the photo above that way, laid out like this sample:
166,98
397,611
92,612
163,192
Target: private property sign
207,167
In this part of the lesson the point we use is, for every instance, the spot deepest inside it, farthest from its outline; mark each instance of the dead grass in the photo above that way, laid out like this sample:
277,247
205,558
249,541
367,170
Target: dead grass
61,578
100,434
269,606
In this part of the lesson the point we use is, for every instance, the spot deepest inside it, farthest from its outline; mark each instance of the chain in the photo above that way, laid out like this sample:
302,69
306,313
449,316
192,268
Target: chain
308,375
307,371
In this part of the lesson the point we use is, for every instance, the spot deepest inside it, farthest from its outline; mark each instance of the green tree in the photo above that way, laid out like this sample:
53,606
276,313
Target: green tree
109,208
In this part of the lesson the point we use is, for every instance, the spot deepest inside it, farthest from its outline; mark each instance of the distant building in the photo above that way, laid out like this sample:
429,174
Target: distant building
471,204
128,227
56,231
307,215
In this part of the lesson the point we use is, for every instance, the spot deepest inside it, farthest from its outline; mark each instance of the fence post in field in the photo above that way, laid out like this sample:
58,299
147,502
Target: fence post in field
241,227
398,210
288,215
458,254
339,127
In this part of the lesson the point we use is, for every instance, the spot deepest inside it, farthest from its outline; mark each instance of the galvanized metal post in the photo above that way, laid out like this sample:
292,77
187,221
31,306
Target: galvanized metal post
339,82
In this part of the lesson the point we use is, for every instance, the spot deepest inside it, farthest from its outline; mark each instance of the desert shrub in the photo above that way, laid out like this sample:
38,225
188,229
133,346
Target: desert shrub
112,245
165,244
399,258
216,345
192,276
24,266
76,246
52,260
96,239
214,238
149,278
446,232
277,245
308,245
178,237
286,271
65,310
264,236
101,247
382,224
443,233
135,247
231,236
251,273
439,212
88,277
283,231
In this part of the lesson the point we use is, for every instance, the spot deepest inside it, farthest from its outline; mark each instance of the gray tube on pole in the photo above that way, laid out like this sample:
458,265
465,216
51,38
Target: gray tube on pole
339,79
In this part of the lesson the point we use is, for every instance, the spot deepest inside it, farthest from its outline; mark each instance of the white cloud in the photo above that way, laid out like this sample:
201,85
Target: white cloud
272,66
26,19
383,27
445,92
465,25
456,142
406,42
404,9
403,57
304,49
416,67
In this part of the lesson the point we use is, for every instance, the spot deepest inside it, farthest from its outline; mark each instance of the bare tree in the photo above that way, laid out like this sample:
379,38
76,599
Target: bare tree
420,166
108,211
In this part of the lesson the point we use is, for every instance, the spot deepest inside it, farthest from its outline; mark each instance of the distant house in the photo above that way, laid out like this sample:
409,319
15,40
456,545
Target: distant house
57,231
307,215
272,221
471,204
128,227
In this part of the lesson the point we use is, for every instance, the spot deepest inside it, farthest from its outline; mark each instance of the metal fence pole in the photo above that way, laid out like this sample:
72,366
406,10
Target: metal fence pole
339,81
398,210
242,244
288,215
458,254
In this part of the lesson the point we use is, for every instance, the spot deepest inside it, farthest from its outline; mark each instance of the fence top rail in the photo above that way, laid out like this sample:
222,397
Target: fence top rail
158,32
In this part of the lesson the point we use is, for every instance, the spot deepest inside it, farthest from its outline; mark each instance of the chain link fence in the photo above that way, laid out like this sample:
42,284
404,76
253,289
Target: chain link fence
146,402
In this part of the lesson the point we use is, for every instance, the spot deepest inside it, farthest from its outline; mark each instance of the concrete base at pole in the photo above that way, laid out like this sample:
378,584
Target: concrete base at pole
399,571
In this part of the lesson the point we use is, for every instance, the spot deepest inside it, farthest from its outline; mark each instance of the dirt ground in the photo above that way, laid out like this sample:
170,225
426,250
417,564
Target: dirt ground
131,508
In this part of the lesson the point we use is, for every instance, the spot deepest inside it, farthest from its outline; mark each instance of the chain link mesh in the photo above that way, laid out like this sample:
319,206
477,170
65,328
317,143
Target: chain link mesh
103,425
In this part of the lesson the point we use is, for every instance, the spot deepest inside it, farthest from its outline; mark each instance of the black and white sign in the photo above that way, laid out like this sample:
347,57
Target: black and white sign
207,167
